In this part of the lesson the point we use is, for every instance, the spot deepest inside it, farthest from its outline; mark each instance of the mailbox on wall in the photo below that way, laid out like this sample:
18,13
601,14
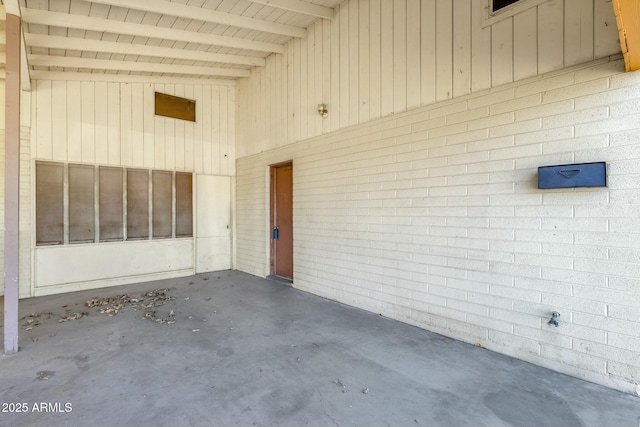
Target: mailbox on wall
573,176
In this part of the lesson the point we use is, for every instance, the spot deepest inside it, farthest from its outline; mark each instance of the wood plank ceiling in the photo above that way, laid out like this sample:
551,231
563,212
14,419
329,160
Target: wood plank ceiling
204,39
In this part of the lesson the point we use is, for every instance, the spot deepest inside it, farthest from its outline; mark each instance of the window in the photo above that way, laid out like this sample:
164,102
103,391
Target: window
184,205
86,204
137,204
175,107
49,204
162,204
111,204
500,4
81,204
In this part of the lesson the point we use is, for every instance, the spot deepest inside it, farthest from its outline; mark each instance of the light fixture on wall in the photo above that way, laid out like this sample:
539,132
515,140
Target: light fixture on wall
322,110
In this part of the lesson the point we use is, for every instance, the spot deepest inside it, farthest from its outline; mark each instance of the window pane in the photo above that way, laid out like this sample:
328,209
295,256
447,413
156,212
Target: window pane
499,4
49,203
81,204
110,204
184,202
162,198
137,204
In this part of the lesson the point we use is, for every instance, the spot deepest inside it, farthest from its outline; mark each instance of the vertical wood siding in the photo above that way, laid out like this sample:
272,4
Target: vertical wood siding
380,57
114,124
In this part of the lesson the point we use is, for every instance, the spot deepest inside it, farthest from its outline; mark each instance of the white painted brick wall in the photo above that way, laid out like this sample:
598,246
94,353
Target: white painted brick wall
2,156
433,217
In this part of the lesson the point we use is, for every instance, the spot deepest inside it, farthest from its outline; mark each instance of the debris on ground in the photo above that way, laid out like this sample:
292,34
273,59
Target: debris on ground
112,305
341,385
153,316
32,320
73,316
159,297
147,303
365,391
44,375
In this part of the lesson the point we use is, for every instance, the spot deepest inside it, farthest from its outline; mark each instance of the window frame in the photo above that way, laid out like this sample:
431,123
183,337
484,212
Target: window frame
42,230
146,199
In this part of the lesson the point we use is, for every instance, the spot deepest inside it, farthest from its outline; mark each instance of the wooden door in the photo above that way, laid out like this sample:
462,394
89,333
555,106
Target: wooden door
282,220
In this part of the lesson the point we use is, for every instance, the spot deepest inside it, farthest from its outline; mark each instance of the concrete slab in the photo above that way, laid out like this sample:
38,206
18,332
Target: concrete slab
246,351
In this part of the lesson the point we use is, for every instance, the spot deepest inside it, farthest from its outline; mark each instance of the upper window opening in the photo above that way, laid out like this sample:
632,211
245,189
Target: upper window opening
495,11
501,4
175,107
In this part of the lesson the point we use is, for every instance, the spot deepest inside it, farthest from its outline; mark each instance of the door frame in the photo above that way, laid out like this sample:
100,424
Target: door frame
272,243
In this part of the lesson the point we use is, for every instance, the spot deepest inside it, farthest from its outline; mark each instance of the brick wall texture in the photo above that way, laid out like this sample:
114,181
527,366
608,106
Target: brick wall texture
433,217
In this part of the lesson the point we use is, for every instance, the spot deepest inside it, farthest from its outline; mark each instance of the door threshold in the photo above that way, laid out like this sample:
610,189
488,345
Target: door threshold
280,279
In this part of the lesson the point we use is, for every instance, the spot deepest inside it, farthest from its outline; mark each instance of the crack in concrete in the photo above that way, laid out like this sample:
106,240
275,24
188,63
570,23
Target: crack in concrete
325,411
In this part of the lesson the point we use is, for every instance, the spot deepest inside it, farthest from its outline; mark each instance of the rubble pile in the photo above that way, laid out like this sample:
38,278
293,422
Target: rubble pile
148,303
33,319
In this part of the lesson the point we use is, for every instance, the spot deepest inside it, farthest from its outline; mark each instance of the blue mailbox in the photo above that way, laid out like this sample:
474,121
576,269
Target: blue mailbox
573,176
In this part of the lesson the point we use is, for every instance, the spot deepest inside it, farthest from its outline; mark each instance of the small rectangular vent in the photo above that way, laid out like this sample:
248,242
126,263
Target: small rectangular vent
175,107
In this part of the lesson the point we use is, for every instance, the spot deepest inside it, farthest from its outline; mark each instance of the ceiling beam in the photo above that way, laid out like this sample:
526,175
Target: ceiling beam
202,14
126,78
24,66
145,67
12,7
628,18
98,46
300,6
88,23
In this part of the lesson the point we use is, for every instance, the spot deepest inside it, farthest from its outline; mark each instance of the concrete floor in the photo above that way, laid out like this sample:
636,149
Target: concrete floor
247,351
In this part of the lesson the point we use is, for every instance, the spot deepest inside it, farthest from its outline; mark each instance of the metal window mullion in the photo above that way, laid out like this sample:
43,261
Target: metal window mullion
65,204
124,204
174,207
150,187
96,203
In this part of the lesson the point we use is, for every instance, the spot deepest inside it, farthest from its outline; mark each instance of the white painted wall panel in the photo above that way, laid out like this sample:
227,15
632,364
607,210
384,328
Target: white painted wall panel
480,49
213,223
579,32
213,254
213,201
103,263
444,49
551,31
101,123
377,57
114,124
525,44
502,52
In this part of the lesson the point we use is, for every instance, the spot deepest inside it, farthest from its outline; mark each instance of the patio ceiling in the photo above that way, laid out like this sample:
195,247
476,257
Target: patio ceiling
203,39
